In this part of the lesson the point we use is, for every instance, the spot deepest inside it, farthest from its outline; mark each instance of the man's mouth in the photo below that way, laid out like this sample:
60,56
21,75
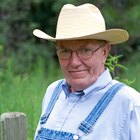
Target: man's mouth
77,73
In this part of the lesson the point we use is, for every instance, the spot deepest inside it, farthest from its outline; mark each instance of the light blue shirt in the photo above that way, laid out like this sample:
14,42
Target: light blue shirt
119,121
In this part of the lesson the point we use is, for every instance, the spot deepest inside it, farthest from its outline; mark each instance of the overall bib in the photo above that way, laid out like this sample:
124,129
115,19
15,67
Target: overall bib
85,126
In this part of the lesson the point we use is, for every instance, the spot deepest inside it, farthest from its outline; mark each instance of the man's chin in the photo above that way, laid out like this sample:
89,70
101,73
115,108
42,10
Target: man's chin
78,84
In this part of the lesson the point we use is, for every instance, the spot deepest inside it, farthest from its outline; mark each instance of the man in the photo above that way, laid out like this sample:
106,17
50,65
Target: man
88,104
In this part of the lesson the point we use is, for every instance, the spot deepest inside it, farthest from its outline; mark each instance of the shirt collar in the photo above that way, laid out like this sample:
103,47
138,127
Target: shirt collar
103,80
66,89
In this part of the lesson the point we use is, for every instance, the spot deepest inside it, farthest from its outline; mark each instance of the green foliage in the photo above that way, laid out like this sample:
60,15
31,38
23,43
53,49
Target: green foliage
1,49
113,63
119,71
133,21
132,73
24,93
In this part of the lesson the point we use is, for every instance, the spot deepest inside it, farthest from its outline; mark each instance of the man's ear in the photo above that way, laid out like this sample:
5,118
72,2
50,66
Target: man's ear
106,50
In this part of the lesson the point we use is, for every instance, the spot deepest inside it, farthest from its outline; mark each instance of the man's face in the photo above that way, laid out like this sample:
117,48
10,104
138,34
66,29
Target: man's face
81,72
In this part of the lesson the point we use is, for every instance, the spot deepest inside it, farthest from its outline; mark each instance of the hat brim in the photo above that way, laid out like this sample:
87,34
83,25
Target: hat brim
114,36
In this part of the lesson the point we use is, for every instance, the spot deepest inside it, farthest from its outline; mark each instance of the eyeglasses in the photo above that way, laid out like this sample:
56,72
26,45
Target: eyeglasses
84,53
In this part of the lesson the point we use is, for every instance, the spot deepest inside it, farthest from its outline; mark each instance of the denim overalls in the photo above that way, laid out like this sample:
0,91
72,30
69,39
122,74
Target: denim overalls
85,126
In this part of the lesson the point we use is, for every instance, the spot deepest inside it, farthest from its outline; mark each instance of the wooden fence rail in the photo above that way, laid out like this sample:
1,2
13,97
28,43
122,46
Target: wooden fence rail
13,126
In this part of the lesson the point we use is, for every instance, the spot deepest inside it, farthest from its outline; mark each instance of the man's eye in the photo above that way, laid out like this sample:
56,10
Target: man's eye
65,51
85,50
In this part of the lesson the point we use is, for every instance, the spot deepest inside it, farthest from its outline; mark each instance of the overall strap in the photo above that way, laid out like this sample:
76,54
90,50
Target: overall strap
87,125
52,102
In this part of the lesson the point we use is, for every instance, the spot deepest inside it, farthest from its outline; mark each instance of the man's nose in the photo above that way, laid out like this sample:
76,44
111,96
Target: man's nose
75,60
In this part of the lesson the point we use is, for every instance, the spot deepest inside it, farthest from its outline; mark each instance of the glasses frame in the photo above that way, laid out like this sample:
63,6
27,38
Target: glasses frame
58,51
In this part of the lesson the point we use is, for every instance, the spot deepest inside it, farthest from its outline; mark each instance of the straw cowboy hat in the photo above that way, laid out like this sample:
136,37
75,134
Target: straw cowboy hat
83,22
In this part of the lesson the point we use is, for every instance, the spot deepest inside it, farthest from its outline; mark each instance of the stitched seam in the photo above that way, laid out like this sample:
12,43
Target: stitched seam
69,113
122,125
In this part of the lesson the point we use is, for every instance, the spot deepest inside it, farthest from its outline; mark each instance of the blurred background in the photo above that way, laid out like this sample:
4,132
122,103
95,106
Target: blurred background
28,64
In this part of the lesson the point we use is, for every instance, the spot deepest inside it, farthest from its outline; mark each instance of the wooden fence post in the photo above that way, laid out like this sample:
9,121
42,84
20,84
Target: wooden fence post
13,126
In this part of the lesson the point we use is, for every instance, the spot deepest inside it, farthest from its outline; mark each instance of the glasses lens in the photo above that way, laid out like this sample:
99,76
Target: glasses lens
84,53
64,53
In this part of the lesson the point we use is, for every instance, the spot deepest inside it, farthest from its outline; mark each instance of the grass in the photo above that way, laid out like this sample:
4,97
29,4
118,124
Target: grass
20,94
24,93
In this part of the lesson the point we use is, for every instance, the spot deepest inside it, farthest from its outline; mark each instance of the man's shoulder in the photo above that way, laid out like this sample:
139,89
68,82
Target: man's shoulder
49,91
130,94
54,84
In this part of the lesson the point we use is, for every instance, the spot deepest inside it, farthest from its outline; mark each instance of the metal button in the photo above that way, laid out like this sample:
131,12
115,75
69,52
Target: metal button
75,137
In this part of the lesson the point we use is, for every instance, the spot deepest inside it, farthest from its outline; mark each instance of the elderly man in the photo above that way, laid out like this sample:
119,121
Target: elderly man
87,104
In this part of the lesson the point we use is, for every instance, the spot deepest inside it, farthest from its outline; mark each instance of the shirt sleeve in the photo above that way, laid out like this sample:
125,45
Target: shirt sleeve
135,124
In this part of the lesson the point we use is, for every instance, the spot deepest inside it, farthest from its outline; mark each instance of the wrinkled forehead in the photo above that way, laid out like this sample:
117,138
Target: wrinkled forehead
79,43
